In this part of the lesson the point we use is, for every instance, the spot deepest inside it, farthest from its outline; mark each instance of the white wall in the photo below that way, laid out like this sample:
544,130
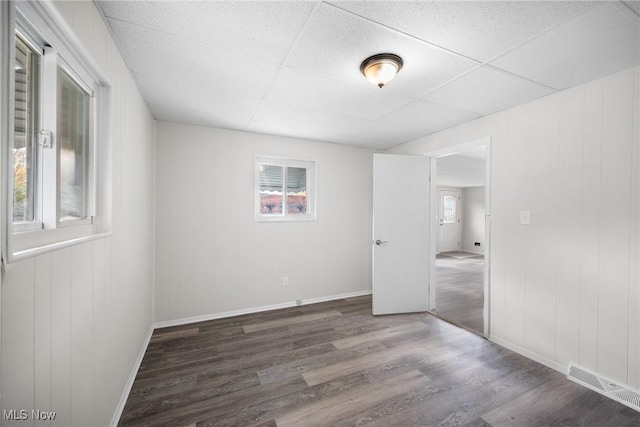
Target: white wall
565,288
74,320
211,255
473,211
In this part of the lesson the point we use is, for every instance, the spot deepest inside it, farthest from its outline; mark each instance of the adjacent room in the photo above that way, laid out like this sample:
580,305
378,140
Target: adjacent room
319,213
461,234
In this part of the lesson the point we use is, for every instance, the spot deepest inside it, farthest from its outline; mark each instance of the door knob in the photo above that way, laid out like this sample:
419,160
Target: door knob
381,242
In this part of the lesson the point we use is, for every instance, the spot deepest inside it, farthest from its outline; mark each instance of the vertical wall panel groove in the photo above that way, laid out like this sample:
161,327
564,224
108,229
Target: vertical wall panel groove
42,335
590,239
634,242
615,226
570,189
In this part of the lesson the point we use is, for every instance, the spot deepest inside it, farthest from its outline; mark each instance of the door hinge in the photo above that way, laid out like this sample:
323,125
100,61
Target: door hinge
45,139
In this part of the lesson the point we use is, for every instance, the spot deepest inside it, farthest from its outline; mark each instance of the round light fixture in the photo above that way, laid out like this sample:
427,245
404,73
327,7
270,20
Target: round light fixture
380,69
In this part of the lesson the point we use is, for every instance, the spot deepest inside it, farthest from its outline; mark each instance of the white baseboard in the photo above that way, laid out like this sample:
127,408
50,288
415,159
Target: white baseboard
335,297
132,376
530,355
225,314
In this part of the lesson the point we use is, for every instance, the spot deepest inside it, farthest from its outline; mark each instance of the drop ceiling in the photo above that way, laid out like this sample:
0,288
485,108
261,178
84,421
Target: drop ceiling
292,68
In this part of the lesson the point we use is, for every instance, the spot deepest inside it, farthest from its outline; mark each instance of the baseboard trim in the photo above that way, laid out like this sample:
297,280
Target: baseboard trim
336,297
132,376
530,355
232,313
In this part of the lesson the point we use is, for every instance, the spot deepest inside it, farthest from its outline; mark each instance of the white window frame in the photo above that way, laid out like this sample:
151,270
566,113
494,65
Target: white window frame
46,27
309,165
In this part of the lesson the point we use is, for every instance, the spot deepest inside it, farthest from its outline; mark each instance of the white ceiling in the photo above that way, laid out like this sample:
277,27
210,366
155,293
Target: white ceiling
292,68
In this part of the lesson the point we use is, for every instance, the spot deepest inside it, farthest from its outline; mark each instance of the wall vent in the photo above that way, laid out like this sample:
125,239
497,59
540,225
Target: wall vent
620,393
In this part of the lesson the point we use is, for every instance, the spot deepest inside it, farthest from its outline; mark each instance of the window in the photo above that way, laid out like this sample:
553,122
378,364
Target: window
285,189
449,210
58,103
26,121
73,148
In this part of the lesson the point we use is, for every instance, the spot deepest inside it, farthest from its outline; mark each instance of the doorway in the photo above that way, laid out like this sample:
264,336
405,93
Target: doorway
459,256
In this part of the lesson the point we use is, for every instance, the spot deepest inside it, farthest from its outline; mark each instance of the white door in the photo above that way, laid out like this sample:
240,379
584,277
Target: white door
400,234
449,221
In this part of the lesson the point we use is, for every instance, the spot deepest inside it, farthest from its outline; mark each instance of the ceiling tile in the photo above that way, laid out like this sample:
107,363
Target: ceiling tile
485,91
335,43
262,29
600,42
477,29
225,109
428,117
171,113
317,125
172,58
300,88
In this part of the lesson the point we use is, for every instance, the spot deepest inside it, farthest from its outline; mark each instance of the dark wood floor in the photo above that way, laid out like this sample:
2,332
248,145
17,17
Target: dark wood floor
334,364
460,290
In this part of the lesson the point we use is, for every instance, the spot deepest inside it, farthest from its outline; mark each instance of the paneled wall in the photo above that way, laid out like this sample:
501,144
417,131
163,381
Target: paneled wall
473,211
74,320
213,257
565,288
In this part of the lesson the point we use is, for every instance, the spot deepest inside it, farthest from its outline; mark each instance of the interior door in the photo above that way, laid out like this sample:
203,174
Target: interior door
400,233
449,221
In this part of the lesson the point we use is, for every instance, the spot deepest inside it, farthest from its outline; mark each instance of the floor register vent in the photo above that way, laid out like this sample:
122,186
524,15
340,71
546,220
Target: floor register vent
619,393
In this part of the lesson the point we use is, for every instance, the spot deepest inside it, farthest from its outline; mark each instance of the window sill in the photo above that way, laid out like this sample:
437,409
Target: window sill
301,218
23,251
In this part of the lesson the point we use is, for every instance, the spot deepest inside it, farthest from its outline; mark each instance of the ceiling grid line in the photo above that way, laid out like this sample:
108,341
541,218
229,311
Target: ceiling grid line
284,62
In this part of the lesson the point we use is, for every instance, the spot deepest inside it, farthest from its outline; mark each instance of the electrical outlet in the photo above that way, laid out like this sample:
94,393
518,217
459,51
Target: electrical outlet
476,243
285,281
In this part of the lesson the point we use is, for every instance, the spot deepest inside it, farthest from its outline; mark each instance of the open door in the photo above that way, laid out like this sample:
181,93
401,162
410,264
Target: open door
400,233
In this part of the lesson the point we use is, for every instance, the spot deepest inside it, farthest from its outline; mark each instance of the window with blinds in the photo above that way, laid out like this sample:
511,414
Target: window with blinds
284,189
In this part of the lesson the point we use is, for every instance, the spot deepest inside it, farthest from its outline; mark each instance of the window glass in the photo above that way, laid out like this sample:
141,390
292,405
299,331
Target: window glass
284,189
73,143
296,190
271,182
449,210
25,145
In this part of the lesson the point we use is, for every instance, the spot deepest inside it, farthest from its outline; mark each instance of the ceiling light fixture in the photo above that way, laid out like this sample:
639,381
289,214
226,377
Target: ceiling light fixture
380,69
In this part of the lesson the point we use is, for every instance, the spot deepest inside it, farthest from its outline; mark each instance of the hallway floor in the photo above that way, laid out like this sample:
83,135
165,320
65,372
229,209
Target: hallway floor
460,290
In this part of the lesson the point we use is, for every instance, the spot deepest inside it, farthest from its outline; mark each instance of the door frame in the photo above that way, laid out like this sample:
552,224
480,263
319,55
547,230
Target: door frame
433,155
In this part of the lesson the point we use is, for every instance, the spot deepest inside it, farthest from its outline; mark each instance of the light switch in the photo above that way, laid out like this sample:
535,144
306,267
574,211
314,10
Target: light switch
525,217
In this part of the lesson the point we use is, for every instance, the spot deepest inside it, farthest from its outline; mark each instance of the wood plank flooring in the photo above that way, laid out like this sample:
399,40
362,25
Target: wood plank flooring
334,364
460,290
